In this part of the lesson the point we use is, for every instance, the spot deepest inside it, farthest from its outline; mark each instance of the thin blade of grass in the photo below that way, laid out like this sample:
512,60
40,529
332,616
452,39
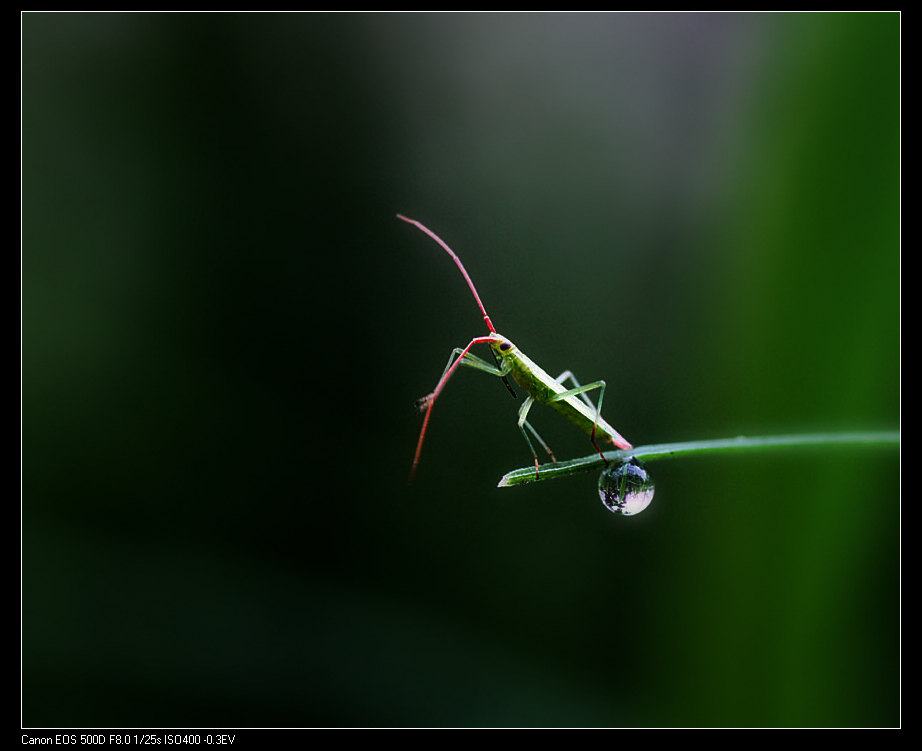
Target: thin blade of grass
655,451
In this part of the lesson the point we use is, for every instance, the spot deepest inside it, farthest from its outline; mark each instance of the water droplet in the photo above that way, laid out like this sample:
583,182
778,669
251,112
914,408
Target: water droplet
626,488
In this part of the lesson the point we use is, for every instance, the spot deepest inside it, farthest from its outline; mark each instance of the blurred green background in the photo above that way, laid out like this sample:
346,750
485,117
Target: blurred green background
224,329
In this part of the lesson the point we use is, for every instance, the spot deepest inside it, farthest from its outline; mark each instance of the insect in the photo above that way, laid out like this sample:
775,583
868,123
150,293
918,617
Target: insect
573,403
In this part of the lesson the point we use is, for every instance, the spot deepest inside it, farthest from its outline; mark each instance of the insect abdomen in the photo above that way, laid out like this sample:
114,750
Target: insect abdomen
542,386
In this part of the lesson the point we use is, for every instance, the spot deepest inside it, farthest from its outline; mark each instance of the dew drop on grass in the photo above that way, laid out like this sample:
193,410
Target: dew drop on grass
626,488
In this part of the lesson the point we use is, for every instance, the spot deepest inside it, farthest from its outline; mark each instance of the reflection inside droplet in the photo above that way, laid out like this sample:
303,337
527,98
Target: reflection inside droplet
626,488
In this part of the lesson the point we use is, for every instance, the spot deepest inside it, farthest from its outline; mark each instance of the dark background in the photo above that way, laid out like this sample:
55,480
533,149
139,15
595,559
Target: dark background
224,328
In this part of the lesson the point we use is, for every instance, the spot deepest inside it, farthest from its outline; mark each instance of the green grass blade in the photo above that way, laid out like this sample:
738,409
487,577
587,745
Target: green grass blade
666,450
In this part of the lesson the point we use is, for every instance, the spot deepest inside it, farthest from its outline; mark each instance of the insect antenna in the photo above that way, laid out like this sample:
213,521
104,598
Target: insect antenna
423,228
457,261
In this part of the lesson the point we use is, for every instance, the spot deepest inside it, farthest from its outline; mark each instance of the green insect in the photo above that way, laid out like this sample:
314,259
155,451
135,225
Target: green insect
573,403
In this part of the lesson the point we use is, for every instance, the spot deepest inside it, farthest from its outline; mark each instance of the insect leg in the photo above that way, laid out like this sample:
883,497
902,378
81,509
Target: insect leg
567,374
523,423
472,361
458,356
541,441
500,369
466,358
581,391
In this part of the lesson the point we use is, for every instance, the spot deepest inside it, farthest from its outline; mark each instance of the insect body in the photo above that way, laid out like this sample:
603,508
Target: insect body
573,402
